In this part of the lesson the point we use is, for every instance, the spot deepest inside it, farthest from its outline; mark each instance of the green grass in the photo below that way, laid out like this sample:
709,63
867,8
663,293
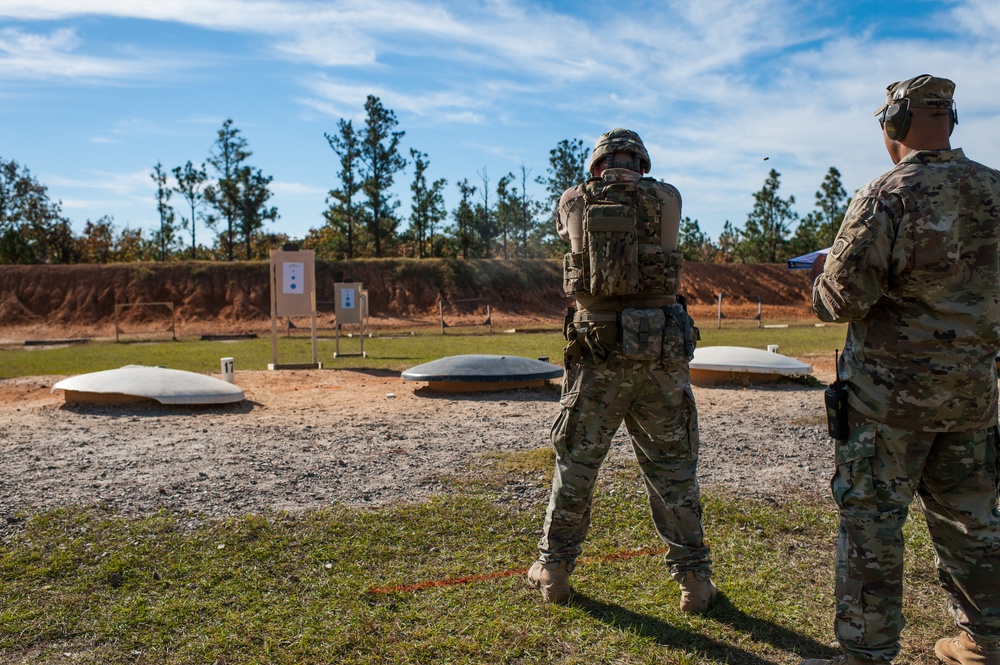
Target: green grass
336,586
397,352
356,586
800,339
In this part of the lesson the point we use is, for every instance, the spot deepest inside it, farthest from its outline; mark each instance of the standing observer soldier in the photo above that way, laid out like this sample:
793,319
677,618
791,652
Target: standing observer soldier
628,346
915,269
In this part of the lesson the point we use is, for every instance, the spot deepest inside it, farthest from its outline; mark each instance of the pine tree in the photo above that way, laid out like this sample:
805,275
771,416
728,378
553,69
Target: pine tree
567,168
506,213
251,196
428,208
168,229
32,228
229,153
693,243
344,215
766,231
191,186
465,220
831,204
819,228
381,161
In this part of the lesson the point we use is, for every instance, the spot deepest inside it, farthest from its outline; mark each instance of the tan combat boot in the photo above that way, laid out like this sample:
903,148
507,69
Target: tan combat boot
697,593
552,579
966,650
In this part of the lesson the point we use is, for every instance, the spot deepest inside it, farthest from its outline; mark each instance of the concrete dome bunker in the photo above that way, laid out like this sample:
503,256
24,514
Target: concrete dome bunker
137,383
483,372
724,364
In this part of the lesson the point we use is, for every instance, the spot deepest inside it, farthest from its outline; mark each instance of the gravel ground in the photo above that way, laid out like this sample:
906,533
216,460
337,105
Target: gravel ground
305,440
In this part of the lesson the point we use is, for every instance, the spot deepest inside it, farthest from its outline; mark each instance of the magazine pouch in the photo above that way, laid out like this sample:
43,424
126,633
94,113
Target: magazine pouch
642,333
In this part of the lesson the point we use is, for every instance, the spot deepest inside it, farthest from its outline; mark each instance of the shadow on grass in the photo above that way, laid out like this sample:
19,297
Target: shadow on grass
683,637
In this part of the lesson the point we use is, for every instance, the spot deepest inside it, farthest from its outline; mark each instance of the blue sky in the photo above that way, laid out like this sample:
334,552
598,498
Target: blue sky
93,93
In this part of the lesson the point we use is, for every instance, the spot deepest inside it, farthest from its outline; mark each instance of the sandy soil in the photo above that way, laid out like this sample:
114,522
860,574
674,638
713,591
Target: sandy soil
308,439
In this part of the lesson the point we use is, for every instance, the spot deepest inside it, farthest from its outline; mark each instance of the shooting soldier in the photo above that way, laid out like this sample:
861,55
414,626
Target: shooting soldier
628,342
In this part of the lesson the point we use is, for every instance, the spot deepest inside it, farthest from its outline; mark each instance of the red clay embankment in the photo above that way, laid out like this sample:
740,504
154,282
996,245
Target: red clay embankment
45,302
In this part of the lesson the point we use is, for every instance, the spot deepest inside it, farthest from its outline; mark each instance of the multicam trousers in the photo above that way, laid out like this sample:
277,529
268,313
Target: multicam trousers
658,409
955,477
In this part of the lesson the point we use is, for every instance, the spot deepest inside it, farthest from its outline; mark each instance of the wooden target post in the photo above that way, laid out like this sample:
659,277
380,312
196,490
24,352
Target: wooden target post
350,306
293,293
757,318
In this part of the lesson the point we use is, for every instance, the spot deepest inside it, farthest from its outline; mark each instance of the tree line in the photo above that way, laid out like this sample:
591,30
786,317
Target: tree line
493,219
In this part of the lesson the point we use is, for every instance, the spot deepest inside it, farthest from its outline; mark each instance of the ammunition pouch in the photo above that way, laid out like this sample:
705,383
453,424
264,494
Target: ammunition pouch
576,276
642,333
680,336
663,334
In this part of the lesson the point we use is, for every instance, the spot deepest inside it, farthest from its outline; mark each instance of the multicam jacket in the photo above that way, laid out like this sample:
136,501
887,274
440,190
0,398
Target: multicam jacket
915,269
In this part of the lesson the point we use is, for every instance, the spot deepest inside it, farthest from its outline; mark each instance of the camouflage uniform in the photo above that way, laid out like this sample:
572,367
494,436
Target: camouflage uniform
608,382
915,269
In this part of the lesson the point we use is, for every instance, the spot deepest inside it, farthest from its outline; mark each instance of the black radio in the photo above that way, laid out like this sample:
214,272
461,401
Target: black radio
836,404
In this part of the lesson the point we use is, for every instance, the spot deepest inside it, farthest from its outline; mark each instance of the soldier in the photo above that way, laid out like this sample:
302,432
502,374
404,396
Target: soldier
629,340
915,269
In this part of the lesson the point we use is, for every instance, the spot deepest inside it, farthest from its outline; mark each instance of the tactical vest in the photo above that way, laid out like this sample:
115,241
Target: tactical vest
622,252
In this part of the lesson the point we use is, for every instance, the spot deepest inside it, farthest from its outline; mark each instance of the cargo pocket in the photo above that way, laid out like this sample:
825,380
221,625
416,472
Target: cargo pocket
562,429
694,441
850,625
852,485
570,388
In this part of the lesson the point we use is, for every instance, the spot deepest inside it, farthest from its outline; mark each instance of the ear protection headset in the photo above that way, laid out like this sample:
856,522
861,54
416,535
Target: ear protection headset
896,116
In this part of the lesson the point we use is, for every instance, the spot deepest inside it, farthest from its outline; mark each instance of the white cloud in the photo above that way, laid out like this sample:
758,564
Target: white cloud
59,56
296,189
713,86
979,17
135,185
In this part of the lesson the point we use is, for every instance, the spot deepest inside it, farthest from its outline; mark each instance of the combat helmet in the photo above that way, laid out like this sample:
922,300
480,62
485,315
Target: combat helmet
619,140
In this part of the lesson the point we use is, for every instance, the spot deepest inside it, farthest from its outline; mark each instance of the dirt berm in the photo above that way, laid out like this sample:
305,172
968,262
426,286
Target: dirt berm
42,302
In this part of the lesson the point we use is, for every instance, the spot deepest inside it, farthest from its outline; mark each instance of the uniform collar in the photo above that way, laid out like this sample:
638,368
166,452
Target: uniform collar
933,156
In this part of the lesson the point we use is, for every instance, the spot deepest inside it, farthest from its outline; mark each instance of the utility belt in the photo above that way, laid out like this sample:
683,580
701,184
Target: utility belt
661,332
613,304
